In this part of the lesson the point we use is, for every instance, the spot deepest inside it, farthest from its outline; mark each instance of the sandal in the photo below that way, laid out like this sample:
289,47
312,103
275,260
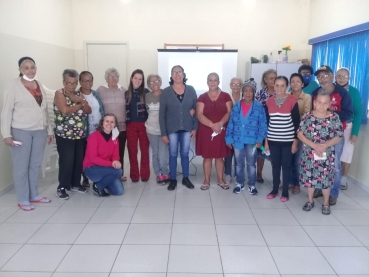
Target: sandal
123,178
41,200
308,206
205,186
224,186
26,207
326,210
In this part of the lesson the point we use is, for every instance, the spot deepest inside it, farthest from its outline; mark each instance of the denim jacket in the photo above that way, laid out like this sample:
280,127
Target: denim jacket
249,129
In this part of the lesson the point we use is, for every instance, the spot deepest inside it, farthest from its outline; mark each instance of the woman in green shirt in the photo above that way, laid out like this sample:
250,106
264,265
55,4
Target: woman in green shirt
353,126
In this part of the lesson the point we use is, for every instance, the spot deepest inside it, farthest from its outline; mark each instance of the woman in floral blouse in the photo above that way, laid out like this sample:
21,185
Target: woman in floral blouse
319,131
70,109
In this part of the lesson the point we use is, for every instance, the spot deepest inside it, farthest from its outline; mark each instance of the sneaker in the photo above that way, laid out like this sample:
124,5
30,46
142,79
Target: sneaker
160,178
99,192
62,194
85,183
253,190
344,186
79,189
238,188
166,178
332,200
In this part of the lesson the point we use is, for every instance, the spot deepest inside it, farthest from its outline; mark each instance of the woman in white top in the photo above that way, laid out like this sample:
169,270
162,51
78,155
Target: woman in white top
25,127
236,96
86,80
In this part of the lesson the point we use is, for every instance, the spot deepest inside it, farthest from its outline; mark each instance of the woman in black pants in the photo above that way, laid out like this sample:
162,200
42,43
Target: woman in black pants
283,119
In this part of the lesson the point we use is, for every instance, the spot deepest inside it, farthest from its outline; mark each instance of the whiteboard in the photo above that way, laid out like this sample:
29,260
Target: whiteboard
197,64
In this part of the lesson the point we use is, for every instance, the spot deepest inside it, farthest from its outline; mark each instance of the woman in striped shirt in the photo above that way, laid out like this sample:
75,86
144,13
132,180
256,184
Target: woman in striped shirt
283,120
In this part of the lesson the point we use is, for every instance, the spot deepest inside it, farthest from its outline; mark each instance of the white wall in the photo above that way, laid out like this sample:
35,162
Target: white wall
251,26
327,16
41,29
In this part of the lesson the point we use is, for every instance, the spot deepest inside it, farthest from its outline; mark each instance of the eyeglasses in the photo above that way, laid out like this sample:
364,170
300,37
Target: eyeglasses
154,82
342,76
86,81
177,72
235,85
71,84
113,77
324,76
305,73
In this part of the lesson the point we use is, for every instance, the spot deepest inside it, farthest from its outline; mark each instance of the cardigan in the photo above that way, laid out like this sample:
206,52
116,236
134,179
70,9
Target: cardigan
283,121
357,106
101,111
174,115
304,103
21,111
249,129
100,152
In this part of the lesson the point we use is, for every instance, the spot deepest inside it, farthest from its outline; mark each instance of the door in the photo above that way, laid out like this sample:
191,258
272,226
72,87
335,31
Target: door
100,56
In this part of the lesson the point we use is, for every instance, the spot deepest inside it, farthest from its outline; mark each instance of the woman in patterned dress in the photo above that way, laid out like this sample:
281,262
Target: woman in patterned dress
319,131
70,109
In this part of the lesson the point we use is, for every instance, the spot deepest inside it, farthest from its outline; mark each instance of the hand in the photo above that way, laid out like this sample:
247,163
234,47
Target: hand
295,146
318,153
258,145
165,139
193,134
319,148
74,98
230,145
50,139
117,164
266,147
353,139
192,112
9,141
216,127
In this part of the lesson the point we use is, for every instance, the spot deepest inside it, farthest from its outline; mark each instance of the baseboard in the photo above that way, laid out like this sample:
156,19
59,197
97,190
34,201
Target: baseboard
5,190
358,183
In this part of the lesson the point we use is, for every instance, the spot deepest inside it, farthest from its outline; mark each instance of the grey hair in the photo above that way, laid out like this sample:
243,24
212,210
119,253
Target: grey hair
153,75
110,70
344,68
324,94
235,78
70,73
213,73
266,73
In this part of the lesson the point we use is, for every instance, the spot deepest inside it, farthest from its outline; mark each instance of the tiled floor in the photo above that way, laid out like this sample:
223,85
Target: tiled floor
151,232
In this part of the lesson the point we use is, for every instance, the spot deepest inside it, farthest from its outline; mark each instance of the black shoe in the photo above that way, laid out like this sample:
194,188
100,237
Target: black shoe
85,183
135,181
99,192
172,185
144,180
62,194
187,183
79,189
318,193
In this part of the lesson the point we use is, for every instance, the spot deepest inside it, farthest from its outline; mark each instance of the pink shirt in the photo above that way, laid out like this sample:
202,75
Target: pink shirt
245,108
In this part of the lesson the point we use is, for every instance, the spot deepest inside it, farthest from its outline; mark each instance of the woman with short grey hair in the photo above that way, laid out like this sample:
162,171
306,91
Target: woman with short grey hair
70,110
114,101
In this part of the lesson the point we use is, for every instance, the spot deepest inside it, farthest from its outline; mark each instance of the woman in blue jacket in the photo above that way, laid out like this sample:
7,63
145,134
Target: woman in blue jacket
246,130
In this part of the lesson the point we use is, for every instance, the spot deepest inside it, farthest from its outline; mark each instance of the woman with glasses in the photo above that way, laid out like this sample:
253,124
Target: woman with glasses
25,120
236,96
70,110
97,110
267,91
114,102
177,125
353,125
308,85
159,148
213,109
283,120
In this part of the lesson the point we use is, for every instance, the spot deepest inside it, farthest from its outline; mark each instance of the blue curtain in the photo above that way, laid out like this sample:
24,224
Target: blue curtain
351,51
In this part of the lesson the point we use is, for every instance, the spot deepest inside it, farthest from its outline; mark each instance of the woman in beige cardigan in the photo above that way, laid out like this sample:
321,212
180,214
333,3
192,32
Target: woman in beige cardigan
25,128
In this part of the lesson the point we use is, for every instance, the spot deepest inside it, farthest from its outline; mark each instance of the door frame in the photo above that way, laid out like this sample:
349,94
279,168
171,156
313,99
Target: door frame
87,42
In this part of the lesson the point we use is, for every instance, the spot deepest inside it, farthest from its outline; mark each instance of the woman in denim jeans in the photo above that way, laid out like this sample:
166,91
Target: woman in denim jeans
246,130
177,125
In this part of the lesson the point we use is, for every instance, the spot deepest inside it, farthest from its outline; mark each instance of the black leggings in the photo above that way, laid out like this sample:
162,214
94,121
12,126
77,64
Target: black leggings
281,157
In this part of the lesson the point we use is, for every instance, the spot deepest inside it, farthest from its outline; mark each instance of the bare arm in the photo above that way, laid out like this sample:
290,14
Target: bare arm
200,115
61,104
225,118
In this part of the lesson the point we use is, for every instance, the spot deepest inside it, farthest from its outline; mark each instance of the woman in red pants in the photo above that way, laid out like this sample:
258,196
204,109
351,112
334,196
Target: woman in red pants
136,130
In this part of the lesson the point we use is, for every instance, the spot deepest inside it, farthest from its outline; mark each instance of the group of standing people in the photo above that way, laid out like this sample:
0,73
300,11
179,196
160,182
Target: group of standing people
301,129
